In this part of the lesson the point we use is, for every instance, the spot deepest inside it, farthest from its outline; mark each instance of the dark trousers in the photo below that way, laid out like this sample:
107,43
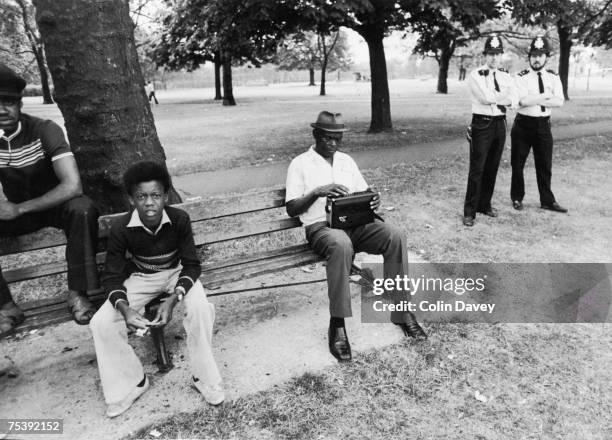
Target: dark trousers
486,148
338,247
78,218
152,95
527,133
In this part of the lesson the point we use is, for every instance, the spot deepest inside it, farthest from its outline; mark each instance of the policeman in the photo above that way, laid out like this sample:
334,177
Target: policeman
492,91
538,90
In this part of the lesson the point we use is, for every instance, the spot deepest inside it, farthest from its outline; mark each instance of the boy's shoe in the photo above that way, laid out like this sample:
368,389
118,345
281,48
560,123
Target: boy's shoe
115,409
214,395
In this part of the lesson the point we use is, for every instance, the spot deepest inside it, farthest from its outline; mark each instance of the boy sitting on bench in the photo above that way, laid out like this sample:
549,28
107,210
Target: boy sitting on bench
151,252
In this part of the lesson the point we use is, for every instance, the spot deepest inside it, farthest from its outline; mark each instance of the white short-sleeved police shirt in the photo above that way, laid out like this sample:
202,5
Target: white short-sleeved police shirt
310,170
527,83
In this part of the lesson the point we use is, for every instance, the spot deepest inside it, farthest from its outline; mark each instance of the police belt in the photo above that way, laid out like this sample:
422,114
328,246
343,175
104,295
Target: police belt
488,117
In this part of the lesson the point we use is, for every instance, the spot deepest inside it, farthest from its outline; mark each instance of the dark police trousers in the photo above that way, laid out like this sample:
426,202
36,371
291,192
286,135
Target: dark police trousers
486,148
338,247
532,132
78,218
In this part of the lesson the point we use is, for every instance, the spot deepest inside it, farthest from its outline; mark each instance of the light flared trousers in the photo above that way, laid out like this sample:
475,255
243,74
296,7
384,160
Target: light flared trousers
120,369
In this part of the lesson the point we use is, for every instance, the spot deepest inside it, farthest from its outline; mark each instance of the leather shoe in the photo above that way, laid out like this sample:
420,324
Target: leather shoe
80,307
468,220
339,345
411,327
554,206
517,204
491,212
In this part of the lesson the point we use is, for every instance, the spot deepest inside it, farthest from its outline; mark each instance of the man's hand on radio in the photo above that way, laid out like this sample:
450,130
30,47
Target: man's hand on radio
375,203
331,190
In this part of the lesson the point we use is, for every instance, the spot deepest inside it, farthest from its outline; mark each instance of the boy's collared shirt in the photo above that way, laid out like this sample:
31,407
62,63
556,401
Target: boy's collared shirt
310,170
133,248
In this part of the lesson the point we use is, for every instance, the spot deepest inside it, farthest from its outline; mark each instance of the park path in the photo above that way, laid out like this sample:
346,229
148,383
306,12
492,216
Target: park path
271,175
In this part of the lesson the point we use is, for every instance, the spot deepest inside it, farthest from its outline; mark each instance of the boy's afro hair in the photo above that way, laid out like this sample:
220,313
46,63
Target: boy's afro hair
146,171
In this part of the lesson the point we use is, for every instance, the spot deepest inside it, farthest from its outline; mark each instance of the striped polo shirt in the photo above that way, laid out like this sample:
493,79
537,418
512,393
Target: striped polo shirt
26,158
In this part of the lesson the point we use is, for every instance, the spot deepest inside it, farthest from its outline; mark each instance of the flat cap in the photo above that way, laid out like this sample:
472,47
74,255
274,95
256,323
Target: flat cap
11,84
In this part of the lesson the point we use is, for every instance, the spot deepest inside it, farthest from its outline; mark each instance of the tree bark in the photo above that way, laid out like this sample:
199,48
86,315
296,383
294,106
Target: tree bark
380,103
217,62
228,89
311,71
565,49
443,63
99,89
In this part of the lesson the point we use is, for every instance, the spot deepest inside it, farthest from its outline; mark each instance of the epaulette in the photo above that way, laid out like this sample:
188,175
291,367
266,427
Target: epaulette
524,72
501,69
551,71
483,72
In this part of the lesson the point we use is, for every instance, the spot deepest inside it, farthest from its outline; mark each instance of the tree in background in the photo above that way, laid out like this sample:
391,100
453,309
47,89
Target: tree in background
21,37
239,31
444,26
309,51
574,21
100,91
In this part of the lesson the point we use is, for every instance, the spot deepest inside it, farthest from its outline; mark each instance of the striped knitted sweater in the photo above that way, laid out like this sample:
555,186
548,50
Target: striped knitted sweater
136,249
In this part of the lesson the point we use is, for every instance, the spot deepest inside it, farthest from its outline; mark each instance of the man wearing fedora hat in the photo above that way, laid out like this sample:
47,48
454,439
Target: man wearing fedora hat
324,171
539,90
491,92
41,182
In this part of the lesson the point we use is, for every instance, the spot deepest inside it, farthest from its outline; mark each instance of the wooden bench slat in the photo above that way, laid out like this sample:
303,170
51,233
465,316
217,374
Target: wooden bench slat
212,265
199,210
247,231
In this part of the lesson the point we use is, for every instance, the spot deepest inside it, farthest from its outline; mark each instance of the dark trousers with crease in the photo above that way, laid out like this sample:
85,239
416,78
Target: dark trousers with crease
78,218
527,133
486,148
338,247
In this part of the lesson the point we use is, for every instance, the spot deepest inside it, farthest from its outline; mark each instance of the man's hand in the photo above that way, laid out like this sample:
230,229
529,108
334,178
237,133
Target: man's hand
375,203
8,211
331,190
164,311
134,320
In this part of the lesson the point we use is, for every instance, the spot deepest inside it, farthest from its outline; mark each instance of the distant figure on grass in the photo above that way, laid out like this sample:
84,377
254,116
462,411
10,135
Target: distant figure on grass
538,91
312,176
151,252
462,72
491,91
150,91
41,182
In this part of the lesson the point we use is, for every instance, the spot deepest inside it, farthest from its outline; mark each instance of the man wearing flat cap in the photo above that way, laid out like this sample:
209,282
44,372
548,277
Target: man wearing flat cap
539,90
324,171
42,186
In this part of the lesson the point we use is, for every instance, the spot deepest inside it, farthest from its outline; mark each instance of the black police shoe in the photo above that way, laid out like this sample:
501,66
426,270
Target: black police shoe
554,206
468,220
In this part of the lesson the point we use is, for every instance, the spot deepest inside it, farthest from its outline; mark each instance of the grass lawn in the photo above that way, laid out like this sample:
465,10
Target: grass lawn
468,381
272,123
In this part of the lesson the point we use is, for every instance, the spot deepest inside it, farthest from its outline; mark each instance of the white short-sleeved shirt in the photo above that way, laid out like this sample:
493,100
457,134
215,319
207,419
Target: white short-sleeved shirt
310,170
527,84
481,83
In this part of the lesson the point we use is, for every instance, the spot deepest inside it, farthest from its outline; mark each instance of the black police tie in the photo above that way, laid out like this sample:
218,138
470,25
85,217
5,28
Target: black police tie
541,86
497,89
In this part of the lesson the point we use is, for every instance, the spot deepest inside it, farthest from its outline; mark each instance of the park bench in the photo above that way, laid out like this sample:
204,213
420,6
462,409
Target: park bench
238,237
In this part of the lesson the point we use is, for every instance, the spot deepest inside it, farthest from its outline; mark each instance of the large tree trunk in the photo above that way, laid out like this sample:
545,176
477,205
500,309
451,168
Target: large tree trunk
565,49
443,63
218,76
99,90
311,71
381,105
44,78
228,89
323,69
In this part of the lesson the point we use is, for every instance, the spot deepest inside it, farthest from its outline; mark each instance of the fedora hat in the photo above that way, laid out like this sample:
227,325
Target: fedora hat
331,122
